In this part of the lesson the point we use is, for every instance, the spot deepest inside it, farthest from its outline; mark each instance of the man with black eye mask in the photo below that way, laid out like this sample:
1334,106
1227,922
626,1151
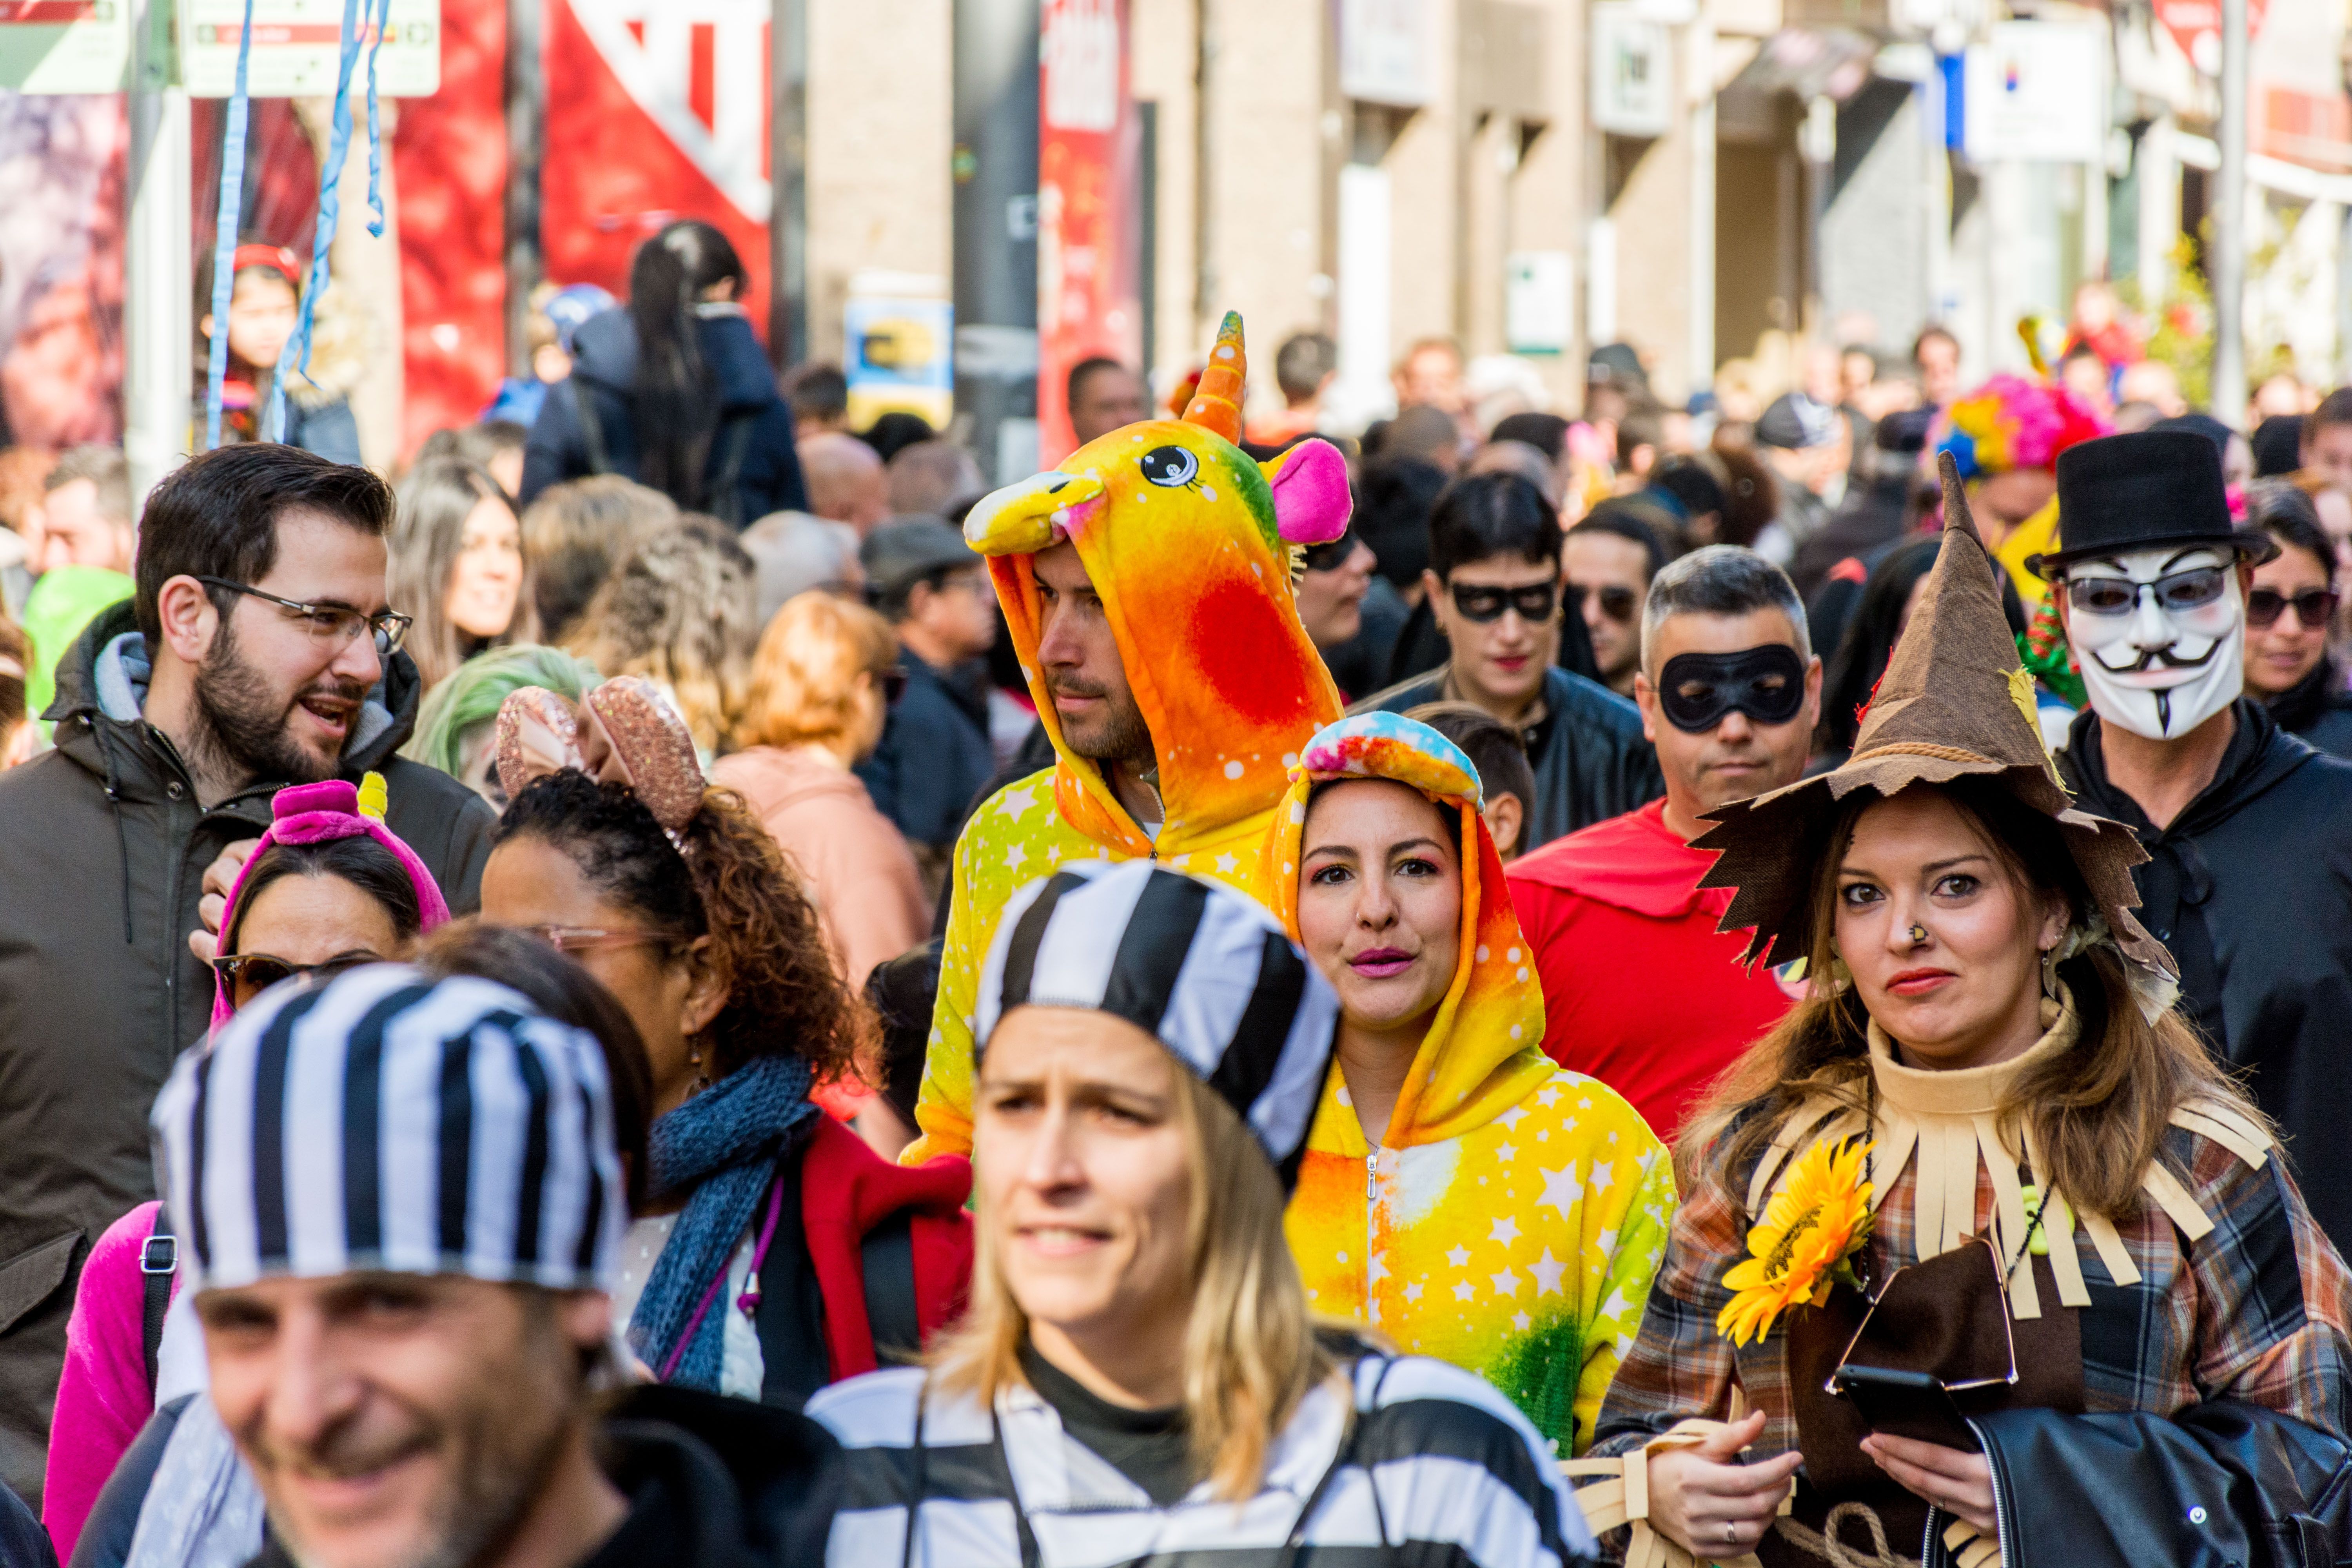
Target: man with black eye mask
2248,829
1729,691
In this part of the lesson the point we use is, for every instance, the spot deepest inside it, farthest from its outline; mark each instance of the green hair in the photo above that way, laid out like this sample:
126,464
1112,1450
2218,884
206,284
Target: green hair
475,689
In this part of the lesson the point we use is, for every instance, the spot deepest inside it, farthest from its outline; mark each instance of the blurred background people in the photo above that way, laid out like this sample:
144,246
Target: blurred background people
264,306
2290,612
1607,561
1303,368
458,566
457,728
574,533
1105,394
679,609
83,518
846,480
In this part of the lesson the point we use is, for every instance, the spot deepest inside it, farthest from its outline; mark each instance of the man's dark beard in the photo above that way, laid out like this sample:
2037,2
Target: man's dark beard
241,727
1123,737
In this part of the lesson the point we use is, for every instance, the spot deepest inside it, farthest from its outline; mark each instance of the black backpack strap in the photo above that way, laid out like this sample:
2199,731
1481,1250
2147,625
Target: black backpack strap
157,1260
888,1255
723,488
591,431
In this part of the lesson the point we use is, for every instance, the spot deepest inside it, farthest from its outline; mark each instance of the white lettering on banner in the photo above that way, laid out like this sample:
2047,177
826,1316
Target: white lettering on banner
699,69
1080,49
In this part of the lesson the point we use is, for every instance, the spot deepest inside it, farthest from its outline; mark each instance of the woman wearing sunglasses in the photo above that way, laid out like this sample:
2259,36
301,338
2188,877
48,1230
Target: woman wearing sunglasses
776,1253
328,887
1978,1235
2290,616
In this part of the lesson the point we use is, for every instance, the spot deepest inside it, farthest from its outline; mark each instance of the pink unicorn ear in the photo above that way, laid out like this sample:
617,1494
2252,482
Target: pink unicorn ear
1311,503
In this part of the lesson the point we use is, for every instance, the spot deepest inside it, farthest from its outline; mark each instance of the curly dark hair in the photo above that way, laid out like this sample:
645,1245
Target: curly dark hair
731,883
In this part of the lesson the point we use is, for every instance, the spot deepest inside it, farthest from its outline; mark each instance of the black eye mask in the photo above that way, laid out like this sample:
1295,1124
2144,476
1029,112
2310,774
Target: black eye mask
1696,690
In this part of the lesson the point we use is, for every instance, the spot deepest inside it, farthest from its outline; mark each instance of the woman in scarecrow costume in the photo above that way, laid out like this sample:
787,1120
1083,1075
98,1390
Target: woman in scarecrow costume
1981,1210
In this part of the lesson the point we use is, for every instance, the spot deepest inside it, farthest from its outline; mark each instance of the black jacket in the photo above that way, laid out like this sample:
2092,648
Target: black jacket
752,470
103,854
2221,1483
2251,887
1591,760
2318,709
934,758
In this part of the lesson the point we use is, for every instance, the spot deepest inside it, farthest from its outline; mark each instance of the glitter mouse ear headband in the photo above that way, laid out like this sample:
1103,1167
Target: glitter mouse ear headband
623,731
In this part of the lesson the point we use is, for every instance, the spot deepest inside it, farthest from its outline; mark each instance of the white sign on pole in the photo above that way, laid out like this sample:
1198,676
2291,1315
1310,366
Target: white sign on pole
2038,91
1386,52
63,46
297,48
1539,301
1632,72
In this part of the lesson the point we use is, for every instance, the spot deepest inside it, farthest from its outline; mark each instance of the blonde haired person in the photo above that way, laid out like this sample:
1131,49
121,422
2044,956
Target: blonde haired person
821,686
679,609
1978,1235
1137,1379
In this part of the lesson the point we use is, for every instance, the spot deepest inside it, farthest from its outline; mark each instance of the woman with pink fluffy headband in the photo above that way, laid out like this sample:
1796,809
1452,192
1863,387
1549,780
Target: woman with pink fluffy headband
2006,436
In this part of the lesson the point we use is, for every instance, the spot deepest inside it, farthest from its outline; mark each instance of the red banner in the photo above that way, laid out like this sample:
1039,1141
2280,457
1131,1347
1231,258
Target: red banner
657,110
1088,229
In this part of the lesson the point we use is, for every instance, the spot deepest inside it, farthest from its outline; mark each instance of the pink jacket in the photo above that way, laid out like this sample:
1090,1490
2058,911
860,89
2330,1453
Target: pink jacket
856,868
103,1394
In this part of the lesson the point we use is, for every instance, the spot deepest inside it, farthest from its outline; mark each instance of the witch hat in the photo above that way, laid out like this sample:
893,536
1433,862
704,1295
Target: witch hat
1954,702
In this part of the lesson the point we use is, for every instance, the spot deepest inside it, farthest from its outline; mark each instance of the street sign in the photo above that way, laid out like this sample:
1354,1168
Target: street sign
297,48
1388,51
1633,76
63,46
2038,91
901,333
2196,26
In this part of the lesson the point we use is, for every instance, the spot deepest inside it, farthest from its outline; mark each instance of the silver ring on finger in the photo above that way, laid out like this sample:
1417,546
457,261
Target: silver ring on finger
1730,1534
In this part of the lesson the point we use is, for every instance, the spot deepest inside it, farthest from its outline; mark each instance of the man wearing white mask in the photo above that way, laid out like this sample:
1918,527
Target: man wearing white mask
2248,829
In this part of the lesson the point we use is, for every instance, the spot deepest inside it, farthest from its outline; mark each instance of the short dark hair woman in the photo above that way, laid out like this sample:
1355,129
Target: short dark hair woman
673,390
1979,1233
2290,616
1138,1378
775,1252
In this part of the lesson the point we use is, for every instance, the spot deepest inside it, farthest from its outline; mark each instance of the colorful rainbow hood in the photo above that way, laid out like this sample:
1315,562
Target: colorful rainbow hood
1512,1218
1189,542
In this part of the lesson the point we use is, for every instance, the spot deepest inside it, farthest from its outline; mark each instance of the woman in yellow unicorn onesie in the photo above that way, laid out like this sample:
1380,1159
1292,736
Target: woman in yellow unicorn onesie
1460,1193
1170,543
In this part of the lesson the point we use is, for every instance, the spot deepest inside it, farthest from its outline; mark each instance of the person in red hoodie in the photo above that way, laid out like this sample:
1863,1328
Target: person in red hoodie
1730,692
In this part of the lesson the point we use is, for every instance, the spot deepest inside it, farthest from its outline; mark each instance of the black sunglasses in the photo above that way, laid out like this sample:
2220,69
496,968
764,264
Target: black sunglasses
2174,591
2314,607
1484,605
1617,602
1331,556
257,972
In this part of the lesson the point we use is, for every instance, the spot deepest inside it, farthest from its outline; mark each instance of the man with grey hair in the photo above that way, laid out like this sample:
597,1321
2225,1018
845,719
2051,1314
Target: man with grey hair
1730,692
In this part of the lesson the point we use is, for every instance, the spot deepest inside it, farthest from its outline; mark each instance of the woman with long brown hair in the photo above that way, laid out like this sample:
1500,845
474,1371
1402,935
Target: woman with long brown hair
1981,1210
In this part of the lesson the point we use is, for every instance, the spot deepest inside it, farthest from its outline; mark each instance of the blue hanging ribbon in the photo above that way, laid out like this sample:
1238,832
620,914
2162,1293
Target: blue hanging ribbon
226,225
296,355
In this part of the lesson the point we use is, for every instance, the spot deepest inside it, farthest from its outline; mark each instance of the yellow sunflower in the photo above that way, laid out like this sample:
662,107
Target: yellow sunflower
1806,1241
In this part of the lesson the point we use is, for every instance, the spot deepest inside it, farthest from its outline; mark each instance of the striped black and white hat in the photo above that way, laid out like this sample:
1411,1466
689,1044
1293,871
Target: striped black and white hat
1202,967
388,1122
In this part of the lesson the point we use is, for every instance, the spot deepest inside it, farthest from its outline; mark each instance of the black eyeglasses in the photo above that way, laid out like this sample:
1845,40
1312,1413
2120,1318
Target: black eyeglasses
1617,602
1331,556
250,973
2187,590
339,624
2314,607
1536,601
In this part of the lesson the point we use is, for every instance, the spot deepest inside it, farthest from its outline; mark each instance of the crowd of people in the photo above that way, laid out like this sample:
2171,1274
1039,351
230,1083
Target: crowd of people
1761,983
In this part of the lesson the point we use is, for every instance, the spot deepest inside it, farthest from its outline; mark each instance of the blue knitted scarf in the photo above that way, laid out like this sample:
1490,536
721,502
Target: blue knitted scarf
722,1146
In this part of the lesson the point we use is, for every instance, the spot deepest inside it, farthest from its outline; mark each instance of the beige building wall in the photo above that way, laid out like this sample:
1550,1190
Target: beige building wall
881,136
1163,67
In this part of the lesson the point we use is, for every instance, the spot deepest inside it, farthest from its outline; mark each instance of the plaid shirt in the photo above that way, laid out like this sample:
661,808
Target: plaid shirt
2260,1309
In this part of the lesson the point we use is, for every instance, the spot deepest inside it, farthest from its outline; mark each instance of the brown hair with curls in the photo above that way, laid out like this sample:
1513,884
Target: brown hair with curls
728,881
2099,1113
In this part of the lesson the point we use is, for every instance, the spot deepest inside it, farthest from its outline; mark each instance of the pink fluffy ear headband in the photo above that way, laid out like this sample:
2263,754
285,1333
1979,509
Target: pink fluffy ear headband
623,731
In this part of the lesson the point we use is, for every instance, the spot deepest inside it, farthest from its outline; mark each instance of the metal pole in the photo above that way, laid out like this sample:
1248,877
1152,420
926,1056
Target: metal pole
525,108
158,329
2229,226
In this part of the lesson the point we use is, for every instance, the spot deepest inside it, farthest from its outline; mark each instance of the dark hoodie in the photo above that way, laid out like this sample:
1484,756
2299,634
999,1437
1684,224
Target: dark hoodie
103,854
2251,887
754,443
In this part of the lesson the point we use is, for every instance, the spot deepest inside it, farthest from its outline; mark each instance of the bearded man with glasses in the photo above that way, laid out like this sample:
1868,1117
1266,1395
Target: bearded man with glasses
2248,829
1493,582
257,651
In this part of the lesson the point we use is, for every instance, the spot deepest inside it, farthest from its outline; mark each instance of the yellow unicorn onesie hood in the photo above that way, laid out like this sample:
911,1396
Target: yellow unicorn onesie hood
1513,1214
1188,542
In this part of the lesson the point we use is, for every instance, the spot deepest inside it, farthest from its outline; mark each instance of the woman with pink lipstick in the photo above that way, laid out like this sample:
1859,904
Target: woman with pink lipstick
1460,1193
1982,1262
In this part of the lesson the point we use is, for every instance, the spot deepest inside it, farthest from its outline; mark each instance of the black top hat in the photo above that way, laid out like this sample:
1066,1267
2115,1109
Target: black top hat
2144,491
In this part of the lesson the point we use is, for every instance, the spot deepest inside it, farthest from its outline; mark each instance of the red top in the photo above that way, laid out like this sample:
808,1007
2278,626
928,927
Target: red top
1640,990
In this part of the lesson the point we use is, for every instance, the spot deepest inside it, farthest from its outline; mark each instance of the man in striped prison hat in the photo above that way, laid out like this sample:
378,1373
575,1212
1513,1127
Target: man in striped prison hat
401,1206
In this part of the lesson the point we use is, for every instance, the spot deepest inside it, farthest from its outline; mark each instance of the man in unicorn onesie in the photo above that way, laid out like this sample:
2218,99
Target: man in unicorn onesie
1147,583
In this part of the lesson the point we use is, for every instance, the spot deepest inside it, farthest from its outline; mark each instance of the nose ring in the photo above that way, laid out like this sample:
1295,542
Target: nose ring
1918,934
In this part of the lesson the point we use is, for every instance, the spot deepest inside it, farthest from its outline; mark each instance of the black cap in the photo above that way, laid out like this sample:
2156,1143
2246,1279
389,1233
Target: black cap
902,551
2145,491
1795,422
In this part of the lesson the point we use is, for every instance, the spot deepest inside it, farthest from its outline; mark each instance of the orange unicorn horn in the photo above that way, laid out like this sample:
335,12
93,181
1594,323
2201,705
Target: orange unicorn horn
1217,401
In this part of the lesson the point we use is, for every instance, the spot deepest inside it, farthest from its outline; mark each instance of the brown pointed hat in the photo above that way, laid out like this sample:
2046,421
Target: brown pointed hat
1954,702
